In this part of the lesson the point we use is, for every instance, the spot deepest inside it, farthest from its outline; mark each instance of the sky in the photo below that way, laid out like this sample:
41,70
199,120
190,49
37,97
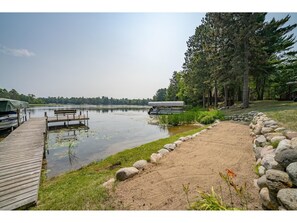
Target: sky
120,55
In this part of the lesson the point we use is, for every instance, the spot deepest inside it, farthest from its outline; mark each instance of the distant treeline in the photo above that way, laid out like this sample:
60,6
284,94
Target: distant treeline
31,98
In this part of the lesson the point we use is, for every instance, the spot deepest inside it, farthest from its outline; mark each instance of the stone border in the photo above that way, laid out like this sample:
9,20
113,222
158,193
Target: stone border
275,150
128,172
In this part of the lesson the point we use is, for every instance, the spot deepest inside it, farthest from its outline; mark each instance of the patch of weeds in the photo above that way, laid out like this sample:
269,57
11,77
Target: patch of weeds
256,168
214,201
275,144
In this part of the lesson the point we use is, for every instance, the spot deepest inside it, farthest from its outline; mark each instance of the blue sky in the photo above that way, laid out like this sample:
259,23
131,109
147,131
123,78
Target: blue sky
94,54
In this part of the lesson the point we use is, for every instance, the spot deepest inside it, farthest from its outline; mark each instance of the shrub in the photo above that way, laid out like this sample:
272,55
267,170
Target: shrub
207,120
275,144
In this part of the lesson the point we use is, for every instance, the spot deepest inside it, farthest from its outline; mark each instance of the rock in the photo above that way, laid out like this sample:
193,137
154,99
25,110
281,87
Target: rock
257,129
292,171
294,143
267,150
140,164
183,139
256,185
251,126
290,134
262,181
280,129
108,184
125,173
266,130
277,139
269,123
283,145
204,130
209,127
260,140
155,157
288,198
169,147
257,151
163,152
269,162
178,143
284,154
277,180
268,201
269,136
261,170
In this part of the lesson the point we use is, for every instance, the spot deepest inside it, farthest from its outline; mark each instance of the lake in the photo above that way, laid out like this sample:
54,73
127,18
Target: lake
110,130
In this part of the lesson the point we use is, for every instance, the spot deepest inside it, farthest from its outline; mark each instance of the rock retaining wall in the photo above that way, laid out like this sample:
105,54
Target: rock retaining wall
275,150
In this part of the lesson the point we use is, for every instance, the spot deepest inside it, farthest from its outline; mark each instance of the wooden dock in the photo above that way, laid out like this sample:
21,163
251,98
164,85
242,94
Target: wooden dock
21,155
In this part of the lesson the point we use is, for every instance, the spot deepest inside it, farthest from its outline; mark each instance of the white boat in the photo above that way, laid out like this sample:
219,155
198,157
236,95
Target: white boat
12,113
165,107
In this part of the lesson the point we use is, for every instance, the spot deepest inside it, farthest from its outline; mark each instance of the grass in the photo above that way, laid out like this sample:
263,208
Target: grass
81,189
284,112
191,116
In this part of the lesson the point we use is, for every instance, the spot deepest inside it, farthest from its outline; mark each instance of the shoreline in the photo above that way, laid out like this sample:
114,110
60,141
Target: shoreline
86,180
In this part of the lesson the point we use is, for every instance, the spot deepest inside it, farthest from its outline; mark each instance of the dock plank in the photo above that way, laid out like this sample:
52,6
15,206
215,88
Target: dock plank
20,164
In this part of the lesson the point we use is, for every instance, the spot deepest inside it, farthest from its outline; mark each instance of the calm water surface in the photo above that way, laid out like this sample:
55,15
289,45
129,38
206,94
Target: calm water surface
109,131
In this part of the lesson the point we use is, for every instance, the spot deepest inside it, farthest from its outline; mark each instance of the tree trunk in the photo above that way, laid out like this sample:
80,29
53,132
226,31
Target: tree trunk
203,99
226,95
245,88
216,95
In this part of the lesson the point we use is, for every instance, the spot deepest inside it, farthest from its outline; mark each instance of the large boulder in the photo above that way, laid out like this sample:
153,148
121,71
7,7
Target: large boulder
257,129
285,154
280,129
277,139
269,123
163,152
269,136
262,182
267,150
125,173
169,147
269,162
290,134
292,171
109,184
140,164
266,130
155,157
288,198
257,152
277,180
178,143
260,141
268,201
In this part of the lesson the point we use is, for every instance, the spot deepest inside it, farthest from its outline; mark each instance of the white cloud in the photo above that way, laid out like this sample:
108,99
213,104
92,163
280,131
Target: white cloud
16,52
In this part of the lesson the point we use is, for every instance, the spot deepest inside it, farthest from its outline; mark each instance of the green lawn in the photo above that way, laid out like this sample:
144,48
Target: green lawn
285,112
82,190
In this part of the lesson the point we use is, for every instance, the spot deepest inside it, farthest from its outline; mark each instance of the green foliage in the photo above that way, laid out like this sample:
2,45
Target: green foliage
195,115
207,119
256,169
13,94
275,144
213,201
236,56
160,95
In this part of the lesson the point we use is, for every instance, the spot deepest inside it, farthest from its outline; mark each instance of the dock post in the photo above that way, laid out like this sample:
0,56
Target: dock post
18,116
44,146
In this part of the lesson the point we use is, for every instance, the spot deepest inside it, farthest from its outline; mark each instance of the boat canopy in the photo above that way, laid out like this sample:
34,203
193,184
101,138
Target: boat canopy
7,105
166,103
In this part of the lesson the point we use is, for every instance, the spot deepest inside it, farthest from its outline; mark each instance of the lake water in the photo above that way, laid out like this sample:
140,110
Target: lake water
109,131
